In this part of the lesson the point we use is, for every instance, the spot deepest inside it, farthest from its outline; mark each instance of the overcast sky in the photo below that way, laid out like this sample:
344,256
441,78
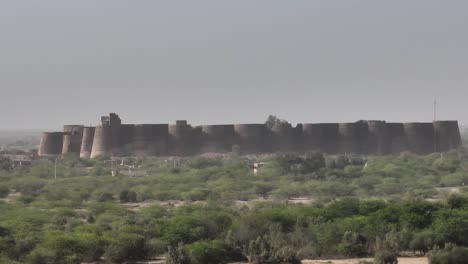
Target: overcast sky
231,61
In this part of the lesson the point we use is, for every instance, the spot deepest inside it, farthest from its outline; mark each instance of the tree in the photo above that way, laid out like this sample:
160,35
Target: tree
353,245
290,163
126,196
208,252
272,120
385,257
269,250
125,246
4,191
453,226
425,241
5,164
454,255
7,242
176,254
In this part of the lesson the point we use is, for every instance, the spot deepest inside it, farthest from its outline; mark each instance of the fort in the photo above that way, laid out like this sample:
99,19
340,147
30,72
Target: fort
111,138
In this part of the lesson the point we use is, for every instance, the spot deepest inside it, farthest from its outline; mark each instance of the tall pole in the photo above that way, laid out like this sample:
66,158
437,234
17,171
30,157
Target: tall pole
435,119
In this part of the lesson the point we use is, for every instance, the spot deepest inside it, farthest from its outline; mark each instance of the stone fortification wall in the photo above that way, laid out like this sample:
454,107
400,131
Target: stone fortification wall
321,137
420,136
73,135
447,135
51,144
217,138
87,142
251,138
111,138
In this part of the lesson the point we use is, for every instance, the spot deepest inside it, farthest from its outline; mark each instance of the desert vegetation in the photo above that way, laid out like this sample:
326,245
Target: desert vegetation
355,206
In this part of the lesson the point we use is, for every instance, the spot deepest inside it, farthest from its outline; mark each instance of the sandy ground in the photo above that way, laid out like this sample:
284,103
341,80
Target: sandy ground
249,203
422,260
418,260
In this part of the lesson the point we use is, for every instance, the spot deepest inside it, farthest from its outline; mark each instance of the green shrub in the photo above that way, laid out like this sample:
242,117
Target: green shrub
454,179
425,241
353,245
201,163
208,252
155,247
456,201
177,255
4,191
126,196
40,256
456,255
452,225
29,186
446,164
103,196
7,242
269,249
385,257
197,194
126,246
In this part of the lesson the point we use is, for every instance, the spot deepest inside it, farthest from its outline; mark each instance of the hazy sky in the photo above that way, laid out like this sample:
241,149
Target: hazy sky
231,61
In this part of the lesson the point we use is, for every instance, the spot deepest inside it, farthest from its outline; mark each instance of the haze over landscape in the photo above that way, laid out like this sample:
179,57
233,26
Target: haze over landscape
229,62
233,132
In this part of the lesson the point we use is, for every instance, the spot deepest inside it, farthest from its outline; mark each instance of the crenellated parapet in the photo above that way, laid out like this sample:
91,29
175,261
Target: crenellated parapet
112,138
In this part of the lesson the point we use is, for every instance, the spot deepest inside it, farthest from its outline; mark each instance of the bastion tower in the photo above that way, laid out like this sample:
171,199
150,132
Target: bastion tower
112,138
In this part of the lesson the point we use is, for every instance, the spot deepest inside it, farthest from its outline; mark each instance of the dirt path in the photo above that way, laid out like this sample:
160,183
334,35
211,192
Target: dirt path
422,260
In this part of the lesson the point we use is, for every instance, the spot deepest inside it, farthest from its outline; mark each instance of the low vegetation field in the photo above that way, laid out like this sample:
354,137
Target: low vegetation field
217,210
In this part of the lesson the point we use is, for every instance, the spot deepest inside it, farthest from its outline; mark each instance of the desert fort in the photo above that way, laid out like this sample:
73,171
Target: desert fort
113,138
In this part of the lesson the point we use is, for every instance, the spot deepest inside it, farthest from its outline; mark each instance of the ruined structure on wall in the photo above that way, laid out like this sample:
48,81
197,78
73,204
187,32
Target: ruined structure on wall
112,138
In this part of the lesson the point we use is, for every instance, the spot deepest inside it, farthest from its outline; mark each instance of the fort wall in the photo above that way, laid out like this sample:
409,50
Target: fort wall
150,139
447,135
349,138
102,143
397,141
112,138
281,138
73,135
87,142
251,137
51,144
217,138
420,136
322,137
378,140
181,139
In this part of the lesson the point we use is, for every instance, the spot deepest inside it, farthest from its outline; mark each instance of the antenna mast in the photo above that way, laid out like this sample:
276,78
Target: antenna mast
435,118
